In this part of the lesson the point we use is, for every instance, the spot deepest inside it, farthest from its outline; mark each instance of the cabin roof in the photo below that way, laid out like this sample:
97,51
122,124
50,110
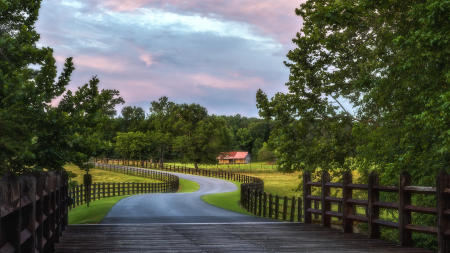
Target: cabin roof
232,155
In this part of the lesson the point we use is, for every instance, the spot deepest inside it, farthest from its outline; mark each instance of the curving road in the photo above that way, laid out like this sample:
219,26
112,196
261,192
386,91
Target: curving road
177,207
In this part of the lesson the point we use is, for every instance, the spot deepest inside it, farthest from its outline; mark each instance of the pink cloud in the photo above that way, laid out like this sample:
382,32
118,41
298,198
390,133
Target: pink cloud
276,18
101,63
147,59
243,83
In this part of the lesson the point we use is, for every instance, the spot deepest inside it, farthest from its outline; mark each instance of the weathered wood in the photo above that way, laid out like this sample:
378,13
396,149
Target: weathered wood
270,206
325,204
306,201
373,210
443,204
232,237
347,207
277,206
404,215
285,205
292,216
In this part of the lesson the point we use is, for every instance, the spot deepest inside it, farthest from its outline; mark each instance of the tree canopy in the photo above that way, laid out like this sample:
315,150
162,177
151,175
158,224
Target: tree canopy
369,82
34,134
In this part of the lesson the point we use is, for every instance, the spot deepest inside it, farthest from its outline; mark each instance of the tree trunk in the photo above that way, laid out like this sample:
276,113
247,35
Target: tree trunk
196,165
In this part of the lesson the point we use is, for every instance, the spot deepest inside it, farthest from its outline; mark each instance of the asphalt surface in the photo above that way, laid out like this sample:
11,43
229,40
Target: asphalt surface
177,207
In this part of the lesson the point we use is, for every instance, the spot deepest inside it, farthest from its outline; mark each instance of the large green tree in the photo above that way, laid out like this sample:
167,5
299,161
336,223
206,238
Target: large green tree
389,61
31,131
90,110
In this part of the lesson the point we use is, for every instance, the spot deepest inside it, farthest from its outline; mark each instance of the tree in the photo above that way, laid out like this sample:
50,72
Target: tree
32,133
266,154
89,109
389,61
132,118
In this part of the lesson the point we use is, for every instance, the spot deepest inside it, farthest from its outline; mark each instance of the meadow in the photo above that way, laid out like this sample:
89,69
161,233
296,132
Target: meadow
103,176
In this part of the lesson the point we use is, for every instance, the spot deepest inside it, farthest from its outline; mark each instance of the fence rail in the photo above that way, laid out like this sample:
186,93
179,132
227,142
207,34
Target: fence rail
82,194
373,205
33,211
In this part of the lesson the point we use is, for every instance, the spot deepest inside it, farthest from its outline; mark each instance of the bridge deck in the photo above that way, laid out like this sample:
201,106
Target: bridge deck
231,237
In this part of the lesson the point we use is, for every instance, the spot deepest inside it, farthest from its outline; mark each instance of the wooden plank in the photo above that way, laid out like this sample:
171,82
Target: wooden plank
225,237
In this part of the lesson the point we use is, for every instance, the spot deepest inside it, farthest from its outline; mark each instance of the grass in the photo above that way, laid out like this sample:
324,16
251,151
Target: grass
94,213
281,184
227,200
188,186
105,176
256,167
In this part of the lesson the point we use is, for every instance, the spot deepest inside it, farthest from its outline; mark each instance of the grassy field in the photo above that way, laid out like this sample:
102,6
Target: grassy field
106,176
188,186
227,200
281,184
257,167
94,213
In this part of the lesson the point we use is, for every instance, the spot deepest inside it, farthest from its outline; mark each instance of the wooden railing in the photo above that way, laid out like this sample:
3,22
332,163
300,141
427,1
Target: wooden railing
82,194
33,211
373,205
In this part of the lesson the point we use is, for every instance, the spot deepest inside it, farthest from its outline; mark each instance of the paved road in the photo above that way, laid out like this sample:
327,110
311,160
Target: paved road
177,207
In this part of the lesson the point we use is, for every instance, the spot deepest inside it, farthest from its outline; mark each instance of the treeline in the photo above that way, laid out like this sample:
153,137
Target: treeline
185,133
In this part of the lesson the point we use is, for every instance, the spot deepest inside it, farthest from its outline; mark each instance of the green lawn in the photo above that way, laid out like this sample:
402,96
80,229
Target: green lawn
104,176
257,167
188,186
227,200
94,213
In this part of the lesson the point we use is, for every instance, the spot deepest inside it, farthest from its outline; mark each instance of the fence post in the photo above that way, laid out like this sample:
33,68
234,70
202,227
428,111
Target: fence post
265,205
443,204
299,209
285,203
277,206
292,209
347,193
404,215
306,193
270,205
325,203
373,211
260,198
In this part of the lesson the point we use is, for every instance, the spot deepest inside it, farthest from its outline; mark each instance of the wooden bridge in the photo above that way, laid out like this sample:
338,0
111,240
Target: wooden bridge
34,208
231,237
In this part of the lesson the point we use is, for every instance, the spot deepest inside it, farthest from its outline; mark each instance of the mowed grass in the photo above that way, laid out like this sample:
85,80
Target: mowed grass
227,200
257,167
188,186
104,176
281,184
93,214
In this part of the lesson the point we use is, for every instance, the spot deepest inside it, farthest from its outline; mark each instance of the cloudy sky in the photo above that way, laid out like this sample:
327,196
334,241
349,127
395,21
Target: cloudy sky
213,52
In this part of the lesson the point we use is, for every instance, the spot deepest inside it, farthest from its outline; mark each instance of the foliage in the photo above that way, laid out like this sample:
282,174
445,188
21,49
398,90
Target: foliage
89,110
389,61
34,134
30,133
265,153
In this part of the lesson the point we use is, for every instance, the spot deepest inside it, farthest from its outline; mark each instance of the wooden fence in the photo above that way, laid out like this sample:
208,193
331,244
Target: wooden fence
344,208
82,194
33,211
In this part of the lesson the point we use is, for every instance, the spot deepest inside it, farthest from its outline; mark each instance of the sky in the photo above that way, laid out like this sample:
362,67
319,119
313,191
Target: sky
216,53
